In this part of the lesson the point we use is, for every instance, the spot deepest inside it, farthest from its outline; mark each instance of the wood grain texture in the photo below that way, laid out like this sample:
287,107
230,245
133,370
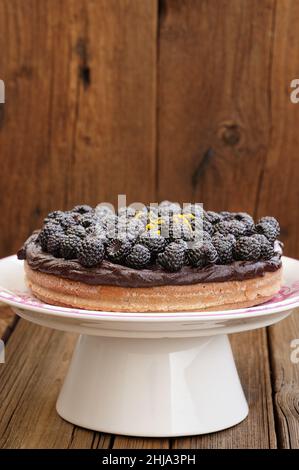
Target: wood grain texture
257,431
79,118
213,93
36,362
114,144
123,442
285,378
279,191
30,390
7,321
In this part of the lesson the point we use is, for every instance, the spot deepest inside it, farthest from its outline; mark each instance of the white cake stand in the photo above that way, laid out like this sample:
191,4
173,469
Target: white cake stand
151,374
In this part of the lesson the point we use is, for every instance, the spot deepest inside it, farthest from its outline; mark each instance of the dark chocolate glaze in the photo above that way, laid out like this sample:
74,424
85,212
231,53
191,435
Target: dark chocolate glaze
108,273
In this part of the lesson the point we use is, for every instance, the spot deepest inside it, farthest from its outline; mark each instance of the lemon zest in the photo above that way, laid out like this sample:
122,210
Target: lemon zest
151,226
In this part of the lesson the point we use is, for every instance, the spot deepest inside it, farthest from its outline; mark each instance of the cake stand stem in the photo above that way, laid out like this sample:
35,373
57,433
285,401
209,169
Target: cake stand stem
153,387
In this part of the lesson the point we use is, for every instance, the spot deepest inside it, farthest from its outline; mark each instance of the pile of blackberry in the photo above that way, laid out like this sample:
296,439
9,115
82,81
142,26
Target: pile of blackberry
167,235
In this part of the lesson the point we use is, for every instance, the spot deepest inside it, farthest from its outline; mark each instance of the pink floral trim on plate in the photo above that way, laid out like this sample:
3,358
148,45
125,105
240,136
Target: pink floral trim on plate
25,298
286,292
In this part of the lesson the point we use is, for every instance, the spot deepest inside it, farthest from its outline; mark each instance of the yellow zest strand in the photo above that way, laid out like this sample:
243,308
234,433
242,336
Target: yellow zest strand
151,226
189,216
186,222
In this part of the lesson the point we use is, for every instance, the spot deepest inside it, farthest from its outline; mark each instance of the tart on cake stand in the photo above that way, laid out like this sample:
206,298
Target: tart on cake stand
151,374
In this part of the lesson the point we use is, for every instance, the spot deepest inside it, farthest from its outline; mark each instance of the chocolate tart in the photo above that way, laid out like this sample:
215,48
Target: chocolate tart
116,287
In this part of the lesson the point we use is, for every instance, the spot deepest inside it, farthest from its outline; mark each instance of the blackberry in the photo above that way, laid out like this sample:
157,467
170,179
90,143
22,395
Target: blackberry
82,209
247,220
155,244
110,223
247,249
208,227
213,217
199,236
202,254
194,209
70,245
206,237
53,222
241,215
96,231
202,236
118,248
142,216
121,227
233,227
269,230
224,245
54,243
180,230
139,257
77,230
272,221
56,216
226,215
128,212
188,233
164,204
70,219
103,211
169,209
48,230
173,257
165,227
152,211
91,252
185,245
267,248
267,251
87,220
182,242
198,225
109,220
21,253
134,228
229,237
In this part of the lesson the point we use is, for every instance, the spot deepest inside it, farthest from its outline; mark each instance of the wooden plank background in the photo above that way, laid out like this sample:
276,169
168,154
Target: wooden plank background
158,99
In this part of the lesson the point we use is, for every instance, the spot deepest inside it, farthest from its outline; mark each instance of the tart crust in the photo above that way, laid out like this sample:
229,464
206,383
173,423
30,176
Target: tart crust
226,295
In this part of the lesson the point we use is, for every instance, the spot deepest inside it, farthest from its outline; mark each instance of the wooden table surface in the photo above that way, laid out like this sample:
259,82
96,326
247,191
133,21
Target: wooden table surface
37,359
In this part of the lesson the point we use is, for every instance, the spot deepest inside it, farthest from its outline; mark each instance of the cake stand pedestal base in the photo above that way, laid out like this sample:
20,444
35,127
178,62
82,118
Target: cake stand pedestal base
153,387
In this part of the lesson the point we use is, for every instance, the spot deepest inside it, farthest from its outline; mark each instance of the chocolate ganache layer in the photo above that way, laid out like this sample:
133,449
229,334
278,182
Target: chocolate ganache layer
108,273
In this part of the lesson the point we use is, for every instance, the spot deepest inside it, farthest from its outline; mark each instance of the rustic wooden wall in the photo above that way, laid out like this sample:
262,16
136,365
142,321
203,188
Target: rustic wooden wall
80,118
177,99
127,96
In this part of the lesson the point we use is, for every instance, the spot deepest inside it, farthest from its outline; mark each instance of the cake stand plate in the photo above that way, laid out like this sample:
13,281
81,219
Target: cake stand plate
153,374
